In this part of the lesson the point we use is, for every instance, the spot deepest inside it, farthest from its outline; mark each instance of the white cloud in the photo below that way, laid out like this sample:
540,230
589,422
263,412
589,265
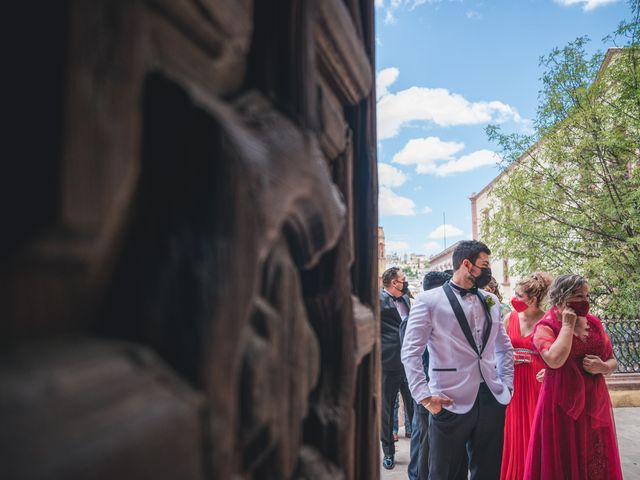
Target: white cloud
384,78
436,105
389,19
390,203
471,14
389,176
432,247
417,3
396,246
410,4
398,5
587,5
526,126
427,210
474,160
431,155
448,229
425,152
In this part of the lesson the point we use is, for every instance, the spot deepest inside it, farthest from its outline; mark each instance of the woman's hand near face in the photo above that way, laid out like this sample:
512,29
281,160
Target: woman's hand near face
569,317
558,352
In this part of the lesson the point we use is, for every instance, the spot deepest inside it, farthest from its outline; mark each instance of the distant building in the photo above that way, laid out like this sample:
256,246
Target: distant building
414,265
382,262
418,261
443,260
393,260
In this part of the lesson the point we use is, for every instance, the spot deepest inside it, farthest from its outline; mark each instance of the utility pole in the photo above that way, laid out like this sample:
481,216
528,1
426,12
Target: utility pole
444,230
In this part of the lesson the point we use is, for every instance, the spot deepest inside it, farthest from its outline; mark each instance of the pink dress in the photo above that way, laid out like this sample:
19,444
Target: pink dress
519,414
573,435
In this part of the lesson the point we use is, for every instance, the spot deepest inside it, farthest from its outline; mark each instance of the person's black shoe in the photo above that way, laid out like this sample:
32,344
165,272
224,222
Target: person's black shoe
388,463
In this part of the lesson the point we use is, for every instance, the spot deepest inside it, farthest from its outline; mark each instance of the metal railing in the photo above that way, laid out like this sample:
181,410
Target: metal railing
625,339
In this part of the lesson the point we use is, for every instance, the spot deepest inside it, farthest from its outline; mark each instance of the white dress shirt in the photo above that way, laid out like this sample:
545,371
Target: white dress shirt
474,312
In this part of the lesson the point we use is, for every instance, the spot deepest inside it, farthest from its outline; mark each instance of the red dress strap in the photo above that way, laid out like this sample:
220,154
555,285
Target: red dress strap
514,325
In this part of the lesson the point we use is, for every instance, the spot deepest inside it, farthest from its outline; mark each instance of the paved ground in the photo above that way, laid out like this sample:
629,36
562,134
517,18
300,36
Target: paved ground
627,426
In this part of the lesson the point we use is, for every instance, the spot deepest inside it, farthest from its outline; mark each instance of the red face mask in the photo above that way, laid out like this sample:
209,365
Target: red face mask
519,305
581,307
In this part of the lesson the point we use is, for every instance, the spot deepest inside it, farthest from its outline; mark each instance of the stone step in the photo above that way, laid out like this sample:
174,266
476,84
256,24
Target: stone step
623,381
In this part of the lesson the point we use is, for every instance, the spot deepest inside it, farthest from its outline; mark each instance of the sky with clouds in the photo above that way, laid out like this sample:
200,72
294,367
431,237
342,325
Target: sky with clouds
445,69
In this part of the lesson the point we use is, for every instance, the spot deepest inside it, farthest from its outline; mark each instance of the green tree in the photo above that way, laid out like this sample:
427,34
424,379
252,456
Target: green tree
570,201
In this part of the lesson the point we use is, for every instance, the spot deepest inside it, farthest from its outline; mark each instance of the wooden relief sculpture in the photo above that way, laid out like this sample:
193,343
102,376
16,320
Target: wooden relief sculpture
189,287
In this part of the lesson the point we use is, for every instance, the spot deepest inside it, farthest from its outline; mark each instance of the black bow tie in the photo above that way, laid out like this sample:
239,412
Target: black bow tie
464,291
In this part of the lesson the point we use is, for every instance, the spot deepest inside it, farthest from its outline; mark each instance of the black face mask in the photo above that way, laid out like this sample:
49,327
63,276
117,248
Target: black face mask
483,279
405,288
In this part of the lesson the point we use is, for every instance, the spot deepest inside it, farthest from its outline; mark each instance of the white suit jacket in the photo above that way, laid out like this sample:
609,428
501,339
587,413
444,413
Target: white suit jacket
455,369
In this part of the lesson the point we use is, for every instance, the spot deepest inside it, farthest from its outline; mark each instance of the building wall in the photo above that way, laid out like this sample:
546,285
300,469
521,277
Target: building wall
442,264
481,213
382,259
443,260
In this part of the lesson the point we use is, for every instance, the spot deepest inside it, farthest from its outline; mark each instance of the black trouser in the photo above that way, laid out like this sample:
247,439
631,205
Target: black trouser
419,450
392,381
479,432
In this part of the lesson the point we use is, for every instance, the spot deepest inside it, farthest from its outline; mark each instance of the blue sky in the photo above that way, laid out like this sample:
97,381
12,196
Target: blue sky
446,69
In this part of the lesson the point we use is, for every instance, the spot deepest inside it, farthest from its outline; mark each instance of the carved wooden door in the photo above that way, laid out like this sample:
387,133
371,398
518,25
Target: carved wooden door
188,271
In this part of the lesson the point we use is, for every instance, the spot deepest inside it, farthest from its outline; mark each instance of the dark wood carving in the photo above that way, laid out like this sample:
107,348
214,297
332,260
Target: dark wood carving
342,55
190,290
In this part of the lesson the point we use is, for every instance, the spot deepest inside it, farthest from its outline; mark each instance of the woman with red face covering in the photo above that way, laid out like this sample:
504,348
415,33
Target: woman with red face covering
528,372
573,434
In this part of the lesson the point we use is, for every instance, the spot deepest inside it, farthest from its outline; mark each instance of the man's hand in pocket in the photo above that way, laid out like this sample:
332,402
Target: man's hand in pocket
435,403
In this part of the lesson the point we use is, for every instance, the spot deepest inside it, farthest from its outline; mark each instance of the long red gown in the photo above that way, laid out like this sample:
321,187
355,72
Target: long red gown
573,435
519,414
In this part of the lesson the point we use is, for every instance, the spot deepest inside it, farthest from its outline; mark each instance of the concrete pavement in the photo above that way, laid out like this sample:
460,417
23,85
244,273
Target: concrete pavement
627,427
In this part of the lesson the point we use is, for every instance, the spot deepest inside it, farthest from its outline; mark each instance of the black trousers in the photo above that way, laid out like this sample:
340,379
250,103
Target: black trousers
419,451
392,381
478,433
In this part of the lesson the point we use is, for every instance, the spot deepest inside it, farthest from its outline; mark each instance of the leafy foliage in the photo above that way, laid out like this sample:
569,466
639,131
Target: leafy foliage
570,199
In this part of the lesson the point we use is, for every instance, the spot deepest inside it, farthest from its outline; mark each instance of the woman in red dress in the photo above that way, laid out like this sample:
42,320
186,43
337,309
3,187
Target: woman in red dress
573,435
528,372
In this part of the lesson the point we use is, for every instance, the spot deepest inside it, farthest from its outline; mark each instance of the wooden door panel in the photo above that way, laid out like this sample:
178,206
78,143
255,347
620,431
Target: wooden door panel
191,292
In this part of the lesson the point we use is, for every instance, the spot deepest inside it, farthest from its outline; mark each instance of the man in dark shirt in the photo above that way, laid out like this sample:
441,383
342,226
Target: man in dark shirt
394,308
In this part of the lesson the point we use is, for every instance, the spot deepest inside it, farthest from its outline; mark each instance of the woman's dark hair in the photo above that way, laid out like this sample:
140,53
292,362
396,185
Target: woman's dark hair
564,286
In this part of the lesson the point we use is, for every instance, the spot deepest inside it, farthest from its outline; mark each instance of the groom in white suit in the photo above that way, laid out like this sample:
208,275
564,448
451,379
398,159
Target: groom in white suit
470,368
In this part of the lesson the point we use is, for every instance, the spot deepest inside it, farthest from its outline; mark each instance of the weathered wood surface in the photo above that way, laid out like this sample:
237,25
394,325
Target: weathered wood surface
203,225
87,409
334,129
341,52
